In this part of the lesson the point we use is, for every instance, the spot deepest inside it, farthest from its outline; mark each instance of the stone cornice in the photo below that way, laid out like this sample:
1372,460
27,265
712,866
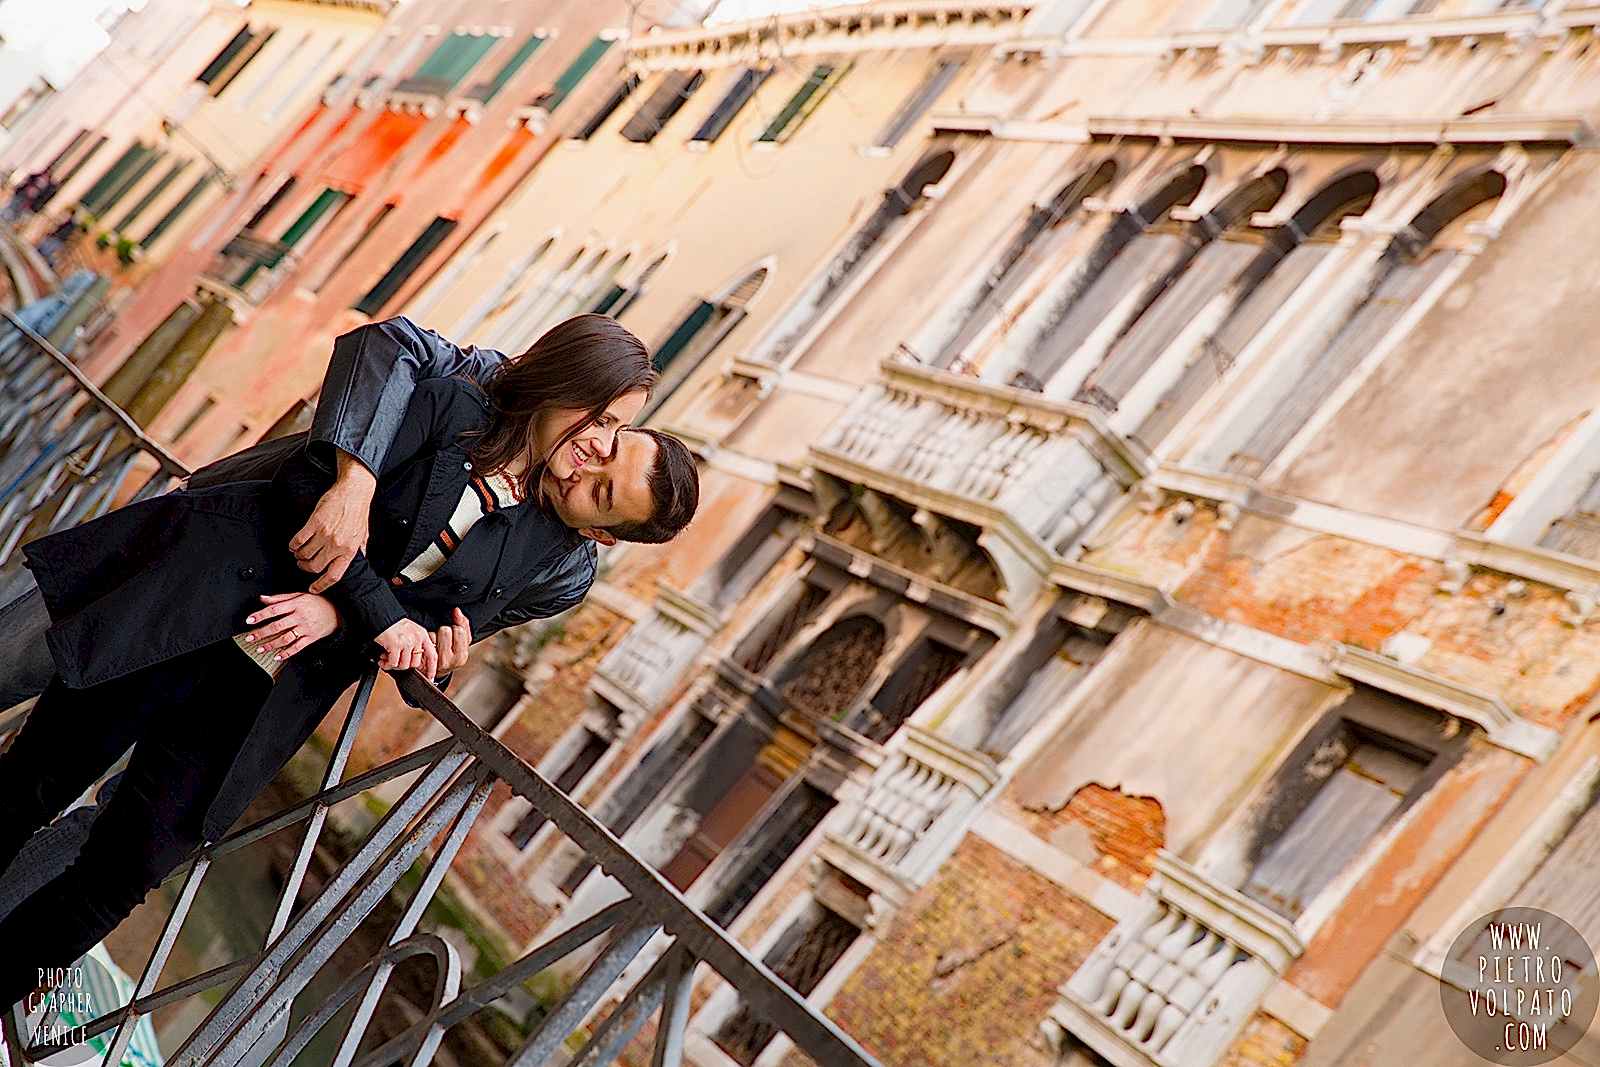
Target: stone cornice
684,609
1503,726
836,30
1421,133
974,610
1465,546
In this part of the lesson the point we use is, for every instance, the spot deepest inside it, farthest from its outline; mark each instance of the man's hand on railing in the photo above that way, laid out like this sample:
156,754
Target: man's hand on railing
405,645
337,528
291,621
452,641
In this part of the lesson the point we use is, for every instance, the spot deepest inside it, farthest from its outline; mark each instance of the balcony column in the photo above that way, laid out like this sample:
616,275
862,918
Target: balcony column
216,316
127,379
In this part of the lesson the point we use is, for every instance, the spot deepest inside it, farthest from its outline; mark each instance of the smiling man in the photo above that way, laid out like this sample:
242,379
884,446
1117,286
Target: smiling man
619,496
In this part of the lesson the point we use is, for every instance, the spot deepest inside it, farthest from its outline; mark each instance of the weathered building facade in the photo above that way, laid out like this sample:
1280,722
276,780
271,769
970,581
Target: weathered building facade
1141,611
152,135
1142,605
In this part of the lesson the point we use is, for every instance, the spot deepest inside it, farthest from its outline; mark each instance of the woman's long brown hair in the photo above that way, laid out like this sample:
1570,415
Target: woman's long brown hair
584,362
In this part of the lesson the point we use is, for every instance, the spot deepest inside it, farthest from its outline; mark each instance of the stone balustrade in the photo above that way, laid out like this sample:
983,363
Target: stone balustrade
994,454
1176,980
917,799
650,661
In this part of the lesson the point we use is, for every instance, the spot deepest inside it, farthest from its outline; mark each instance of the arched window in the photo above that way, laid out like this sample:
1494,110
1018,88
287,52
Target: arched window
1101,293
446,280
945,340
828,678
1232,318
614,299
700,331
1218,248
531,313
823,291
494,302
1414,260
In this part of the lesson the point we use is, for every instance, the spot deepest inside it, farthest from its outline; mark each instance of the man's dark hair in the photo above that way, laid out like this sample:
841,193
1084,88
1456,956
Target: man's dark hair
674,482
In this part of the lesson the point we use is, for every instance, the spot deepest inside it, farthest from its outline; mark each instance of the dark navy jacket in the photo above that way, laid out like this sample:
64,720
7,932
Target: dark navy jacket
176,572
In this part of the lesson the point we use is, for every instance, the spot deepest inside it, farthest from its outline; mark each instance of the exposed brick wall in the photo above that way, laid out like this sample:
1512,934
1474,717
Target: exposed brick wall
1125,831
567,663
966,971
1265,1042
1309,588
1313,588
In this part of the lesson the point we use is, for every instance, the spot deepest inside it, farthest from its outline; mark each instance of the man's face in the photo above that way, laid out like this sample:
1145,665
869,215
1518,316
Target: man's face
606,490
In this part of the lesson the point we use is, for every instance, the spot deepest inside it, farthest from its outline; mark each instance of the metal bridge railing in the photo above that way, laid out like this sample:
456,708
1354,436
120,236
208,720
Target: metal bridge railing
454,777
66,451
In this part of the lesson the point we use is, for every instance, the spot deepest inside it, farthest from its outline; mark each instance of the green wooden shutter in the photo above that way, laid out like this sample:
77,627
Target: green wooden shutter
148,158
692,324
574,74
509,69
113,174
242,61
403,267
326,200
450,62
179,208
220,62
817,85
151,194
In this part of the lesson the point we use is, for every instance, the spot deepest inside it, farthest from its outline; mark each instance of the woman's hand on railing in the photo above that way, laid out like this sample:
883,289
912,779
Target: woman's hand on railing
453,641
290,622
405,645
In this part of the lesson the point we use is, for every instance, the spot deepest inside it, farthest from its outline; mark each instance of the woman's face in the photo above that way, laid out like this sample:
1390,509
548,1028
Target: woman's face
597,438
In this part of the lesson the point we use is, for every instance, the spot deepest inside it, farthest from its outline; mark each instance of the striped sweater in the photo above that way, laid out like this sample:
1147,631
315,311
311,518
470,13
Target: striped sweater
483,494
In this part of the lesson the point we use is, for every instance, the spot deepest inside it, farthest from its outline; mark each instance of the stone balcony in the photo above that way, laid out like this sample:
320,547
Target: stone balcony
647,665
1176,980
1032,473
249,268
915,804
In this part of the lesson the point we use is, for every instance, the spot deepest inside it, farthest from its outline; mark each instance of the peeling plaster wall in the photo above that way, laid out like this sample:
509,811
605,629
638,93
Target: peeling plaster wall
1176,719
1487,376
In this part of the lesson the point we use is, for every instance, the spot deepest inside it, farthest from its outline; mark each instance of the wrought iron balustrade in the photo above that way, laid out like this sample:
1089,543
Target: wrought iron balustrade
454,777
67,453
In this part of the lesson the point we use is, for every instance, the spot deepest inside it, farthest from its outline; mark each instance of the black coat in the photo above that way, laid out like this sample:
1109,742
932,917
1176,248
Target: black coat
180,571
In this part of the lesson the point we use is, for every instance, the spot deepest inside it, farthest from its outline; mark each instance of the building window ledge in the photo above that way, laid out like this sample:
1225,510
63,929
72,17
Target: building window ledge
1503,726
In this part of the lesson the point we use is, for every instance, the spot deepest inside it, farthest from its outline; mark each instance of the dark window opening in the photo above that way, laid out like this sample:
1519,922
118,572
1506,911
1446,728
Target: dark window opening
594,746
929,666
643,787
729,106
397,275
660,106
802,958
919,102
799,814
609,107
759,656
284,188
